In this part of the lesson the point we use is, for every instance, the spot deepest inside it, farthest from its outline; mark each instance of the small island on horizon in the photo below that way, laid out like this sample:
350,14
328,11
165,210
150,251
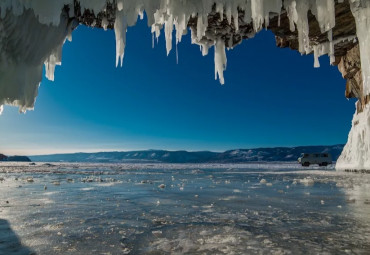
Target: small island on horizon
14,158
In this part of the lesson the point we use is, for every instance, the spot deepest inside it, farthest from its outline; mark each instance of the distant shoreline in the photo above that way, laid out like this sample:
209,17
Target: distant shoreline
276,154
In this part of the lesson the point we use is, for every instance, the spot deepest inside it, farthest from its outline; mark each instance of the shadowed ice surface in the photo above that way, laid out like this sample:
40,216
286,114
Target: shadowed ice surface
200,209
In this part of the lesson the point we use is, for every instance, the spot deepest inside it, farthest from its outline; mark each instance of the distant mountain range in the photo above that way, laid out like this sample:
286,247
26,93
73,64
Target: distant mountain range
14,158
163,156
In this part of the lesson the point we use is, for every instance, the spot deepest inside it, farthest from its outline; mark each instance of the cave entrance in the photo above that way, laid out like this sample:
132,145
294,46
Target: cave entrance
272,97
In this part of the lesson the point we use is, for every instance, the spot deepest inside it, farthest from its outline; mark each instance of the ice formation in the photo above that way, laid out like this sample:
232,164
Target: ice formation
25,49
50,19
356,153
21,60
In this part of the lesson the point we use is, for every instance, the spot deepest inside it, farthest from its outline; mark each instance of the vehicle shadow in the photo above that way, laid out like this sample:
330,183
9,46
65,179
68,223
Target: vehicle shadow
10,243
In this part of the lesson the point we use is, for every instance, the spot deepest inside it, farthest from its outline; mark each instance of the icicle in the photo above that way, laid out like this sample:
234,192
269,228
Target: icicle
180,26
325,14
316,56
105,23
220,60
248,12
261,10
220,10
202,25
141,14
297,13
156,30
236,19
205,49
228,14
257,14
53,60
120,5
120,27
290,6
361,12
168,33
152,40
331,47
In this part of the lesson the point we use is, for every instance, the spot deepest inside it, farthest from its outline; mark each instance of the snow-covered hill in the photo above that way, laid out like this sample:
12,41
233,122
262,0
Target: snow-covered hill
163,156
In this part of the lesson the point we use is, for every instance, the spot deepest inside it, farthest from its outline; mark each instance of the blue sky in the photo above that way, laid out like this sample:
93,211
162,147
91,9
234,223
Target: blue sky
272,97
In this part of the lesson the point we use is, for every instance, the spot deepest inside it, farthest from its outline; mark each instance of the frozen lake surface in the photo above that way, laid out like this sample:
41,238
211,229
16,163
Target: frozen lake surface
266,208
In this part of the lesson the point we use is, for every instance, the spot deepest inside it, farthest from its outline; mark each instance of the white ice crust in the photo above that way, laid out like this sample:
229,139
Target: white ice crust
25,49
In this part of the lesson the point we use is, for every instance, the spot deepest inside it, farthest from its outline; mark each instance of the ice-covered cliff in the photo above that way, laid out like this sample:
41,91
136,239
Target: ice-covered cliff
32,34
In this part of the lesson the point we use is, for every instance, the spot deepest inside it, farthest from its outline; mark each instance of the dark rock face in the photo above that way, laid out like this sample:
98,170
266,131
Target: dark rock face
350,67
19,159
89,18
14,158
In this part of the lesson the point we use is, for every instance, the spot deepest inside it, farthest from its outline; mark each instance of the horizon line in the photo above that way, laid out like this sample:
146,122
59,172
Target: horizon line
169,150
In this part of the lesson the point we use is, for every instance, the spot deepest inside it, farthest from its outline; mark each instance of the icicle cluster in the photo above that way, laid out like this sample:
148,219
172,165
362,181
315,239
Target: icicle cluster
24,49
170,15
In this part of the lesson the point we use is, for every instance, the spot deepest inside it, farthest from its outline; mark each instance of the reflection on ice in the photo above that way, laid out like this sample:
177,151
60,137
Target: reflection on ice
176,209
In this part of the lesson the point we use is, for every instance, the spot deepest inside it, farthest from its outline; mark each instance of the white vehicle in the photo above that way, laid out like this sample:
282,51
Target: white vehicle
322,159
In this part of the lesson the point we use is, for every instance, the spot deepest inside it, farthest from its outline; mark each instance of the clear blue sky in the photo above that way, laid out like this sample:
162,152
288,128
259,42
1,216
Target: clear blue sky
272,97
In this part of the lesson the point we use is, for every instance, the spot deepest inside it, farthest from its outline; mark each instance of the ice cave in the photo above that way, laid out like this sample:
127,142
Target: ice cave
32,34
